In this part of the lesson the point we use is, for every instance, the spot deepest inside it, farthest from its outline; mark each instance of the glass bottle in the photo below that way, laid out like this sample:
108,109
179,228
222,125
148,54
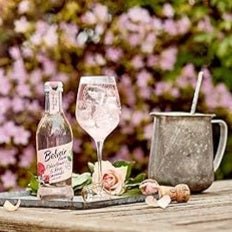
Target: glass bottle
54,140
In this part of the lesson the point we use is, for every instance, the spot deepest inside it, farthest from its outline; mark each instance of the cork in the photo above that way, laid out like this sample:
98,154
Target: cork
179,193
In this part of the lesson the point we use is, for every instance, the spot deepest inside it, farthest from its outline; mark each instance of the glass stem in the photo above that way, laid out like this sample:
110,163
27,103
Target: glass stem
99,145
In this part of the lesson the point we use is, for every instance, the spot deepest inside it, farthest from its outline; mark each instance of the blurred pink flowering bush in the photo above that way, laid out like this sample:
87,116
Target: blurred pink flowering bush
155,50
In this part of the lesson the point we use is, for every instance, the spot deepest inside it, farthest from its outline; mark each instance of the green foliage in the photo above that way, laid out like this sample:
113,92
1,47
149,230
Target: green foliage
122,163
135,182
132,192
33,185
222,5
223,74
80,180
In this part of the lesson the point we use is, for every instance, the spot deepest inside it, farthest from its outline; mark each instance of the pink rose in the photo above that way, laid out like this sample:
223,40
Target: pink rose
112,178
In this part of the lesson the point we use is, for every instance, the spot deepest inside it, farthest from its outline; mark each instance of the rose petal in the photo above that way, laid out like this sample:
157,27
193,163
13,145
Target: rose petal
113,178
151,201
105,165
164,201
123,171
10,207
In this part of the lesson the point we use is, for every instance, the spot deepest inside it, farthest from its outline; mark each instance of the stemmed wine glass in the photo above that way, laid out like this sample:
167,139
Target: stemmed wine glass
98,111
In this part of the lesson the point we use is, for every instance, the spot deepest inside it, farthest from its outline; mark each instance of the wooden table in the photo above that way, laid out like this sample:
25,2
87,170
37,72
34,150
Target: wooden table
209,211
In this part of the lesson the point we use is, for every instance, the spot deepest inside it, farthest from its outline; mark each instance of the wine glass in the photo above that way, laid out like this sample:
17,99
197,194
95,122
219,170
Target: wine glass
98,111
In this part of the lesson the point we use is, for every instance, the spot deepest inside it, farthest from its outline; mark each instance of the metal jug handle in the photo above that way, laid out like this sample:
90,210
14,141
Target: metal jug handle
222,142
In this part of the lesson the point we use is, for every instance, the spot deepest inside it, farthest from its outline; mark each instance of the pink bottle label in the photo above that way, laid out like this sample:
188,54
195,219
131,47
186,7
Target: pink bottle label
55,164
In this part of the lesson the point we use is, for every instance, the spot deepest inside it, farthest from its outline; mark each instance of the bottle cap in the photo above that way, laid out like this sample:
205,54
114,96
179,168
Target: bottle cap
53,85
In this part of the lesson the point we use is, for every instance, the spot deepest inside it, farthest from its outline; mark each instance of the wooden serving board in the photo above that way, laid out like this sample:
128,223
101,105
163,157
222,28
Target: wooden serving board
77,203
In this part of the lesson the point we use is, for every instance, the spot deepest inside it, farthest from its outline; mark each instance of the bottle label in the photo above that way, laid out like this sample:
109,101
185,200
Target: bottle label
54,102
55,164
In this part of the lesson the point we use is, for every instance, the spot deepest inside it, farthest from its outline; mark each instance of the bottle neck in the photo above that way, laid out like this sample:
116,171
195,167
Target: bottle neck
53,102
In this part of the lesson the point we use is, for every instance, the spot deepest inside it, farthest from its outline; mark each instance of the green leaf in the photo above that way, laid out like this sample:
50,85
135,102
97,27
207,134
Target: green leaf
223,74
33,185
223,47
123,163
120,163
204,37
136,181
80,179
132,192
132,185
80,187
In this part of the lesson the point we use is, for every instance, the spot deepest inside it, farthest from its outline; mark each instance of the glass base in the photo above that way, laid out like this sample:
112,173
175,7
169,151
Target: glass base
95,192
55,193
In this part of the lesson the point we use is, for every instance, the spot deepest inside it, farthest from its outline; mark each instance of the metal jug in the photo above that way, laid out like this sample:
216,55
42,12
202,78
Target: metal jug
182,149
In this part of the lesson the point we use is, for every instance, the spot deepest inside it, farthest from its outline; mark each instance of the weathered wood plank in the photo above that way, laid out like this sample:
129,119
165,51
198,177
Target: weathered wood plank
211,210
